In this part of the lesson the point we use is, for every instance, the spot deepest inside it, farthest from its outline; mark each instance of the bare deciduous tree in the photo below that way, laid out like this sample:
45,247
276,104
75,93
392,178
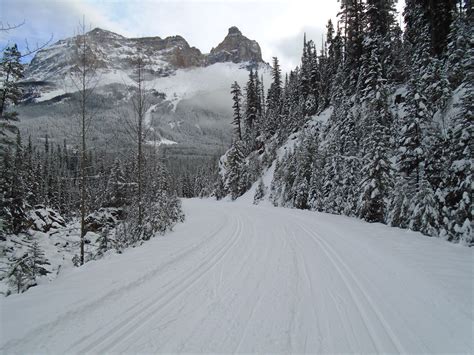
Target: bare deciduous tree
84,80
141,104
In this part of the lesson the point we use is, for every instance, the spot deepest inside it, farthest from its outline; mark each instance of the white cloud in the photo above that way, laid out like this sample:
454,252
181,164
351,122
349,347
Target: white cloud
278,25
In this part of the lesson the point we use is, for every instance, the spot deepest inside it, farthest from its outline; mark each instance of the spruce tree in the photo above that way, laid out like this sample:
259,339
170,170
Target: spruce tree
37,260
251,110
459,184
11,71
237,120
375,173
260,192
274,100
236,176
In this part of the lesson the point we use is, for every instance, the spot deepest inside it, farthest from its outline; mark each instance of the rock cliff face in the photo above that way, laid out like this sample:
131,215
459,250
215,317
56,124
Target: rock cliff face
112,51
235,48
189,91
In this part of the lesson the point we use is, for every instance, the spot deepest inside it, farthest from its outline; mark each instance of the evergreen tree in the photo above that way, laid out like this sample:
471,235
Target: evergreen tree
13,190
11,71
274,99
104,240
19,274
236,176
236,97
37,260
458,40
251,113
459,184
116,190
352,17
375,181
412,143
260,192
425,215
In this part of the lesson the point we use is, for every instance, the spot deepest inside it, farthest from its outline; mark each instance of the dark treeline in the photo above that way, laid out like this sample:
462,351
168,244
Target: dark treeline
396,147
48,175
192,176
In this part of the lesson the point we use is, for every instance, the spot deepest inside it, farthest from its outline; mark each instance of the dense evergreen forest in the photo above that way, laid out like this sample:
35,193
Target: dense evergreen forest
396,148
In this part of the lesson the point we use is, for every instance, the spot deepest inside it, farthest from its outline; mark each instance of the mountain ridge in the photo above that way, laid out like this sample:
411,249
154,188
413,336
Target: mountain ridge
112,51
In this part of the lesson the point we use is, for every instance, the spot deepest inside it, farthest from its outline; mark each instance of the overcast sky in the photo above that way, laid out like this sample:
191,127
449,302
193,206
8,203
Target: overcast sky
277,25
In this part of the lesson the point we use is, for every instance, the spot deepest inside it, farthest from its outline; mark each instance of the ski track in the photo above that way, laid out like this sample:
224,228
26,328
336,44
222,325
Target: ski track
126,328
236,278
348,279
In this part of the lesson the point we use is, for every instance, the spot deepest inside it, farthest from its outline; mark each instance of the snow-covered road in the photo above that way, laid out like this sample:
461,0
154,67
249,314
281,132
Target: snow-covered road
239,278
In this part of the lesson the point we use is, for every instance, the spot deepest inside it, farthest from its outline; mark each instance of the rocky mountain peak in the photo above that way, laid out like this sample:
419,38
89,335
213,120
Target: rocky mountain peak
164,55
101,34
235,48
234,31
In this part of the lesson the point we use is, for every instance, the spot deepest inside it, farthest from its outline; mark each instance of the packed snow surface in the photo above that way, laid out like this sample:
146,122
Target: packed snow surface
240,278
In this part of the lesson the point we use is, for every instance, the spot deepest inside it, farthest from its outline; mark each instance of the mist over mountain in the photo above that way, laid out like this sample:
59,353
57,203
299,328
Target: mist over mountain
190,101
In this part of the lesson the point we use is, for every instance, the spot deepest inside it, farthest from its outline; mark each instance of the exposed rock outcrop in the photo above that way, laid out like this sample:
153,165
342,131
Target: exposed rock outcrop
235,48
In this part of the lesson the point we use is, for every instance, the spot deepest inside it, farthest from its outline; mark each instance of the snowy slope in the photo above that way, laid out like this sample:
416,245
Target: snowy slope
240,278
287,147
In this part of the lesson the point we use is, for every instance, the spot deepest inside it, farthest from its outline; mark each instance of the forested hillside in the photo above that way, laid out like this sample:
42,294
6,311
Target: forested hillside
396,148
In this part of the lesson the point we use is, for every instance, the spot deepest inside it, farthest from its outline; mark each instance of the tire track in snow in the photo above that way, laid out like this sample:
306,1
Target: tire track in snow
129,326
304,269
255,306
337,261
81,312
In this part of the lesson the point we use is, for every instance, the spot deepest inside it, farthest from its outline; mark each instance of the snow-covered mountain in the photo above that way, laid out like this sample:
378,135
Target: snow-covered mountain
113,52
191,99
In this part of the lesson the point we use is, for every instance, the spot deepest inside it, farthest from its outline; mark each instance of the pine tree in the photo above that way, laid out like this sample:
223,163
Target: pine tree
425,215
352,17
116,191
274,99
400,201
260,192
236,98
458,40
412,145
19,274
11,71
13,190
459,185
315,190
236,176
276,184
375,173
104,240
37,261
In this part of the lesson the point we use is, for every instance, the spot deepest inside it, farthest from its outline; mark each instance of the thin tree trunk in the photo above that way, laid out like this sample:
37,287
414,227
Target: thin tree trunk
140,137
83,149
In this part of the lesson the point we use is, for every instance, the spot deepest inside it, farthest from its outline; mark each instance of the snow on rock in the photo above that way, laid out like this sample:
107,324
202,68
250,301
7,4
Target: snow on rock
44,219
103,217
